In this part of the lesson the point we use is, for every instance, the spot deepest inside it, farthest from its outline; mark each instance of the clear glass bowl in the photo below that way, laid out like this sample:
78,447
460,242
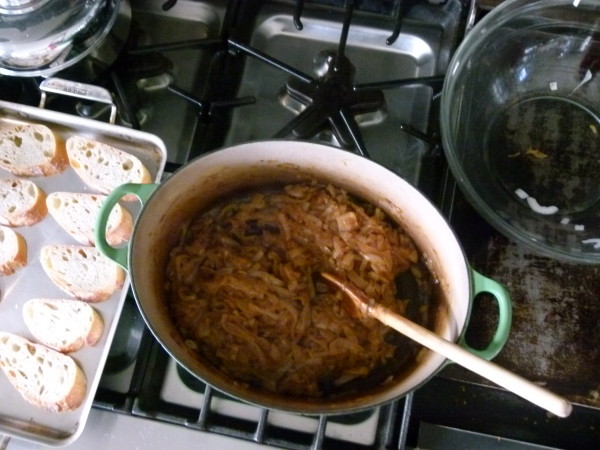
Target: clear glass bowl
43,37
520,123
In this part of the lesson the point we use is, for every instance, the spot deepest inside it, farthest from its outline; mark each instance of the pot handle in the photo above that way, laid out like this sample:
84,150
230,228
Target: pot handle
120,254
499,292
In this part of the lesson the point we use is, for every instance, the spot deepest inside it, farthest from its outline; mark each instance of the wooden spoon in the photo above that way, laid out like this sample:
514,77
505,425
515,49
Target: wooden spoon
360,304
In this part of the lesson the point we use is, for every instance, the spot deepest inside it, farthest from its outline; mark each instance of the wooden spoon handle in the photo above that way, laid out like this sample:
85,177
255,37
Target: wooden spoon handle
508,380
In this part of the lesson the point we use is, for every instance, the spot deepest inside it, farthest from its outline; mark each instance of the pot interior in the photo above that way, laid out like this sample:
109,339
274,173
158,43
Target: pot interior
198,185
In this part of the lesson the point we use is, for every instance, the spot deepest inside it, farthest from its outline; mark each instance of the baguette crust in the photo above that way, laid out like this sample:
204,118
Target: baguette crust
44,377
82,271
76,213
65,325
13,251
22,203
31,150
104,167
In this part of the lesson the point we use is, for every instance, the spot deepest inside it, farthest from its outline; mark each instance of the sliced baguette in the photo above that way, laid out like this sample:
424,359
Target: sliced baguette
30,150
77,214
44,377
13,251
82,271
104,167
22,203
64,325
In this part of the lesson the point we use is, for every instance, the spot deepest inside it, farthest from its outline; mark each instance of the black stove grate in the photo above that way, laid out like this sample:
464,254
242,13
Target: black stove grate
471,409
143,399
332,99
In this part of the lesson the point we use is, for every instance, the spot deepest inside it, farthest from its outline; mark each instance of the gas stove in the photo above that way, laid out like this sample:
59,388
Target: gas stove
365,76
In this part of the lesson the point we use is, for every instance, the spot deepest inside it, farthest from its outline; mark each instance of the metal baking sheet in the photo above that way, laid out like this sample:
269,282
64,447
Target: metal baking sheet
17,417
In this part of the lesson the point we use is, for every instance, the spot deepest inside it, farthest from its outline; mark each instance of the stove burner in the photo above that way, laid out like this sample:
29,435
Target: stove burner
331,99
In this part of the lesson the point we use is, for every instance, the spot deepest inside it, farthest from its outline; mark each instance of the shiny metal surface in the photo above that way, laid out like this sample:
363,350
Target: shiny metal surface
78,90
159,111
52,35
419,52
17,417
20,6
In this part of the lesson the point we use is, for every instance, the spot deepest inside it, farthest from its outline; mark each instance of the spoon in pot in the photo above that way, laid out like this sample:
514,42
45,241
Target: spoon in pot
360,305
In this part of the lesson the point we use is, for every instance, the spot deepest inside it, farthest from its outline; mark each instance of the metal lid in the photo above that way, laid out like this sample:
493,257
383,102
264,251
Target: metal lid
42,37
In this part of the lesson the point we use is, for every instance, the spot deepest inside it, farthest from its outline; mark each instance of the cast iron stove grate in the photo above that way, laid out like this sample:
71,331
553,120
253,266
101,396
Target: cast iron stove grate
332,99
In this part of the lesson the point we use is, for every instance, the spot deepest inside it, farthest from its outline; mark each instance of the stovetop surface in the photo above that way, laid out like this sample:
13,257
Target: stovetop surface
554,334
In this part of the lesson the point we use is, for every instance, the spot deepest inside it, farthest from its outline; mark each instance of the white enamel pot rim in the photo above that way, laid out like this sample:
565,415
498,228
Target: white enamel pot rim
211,176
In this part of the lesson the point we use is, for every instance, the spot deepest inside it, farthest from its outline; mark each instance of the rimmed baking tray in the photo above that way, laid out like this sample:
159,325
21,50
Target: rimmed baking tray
18,418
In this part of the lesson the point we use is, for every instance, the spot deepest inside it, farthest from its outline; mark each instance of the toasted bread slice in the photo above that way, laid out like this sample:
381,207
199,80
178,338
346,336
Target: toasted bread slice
22,203
82,271
44,377
13,251
104,167
31,150
77,214
64,325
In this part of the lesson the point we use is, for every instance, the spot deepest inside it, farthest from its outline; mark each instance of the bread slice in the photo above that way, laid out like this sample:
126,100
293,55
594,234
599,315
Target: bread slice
104,167
22,203
44,377
13,251
31,150
64,325
77,214
82,271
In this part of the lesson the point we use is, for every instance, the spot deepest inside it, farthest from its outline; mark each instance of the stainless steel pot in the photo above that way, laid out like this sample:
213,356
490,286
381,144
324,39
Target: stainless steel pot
43,37
201,182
